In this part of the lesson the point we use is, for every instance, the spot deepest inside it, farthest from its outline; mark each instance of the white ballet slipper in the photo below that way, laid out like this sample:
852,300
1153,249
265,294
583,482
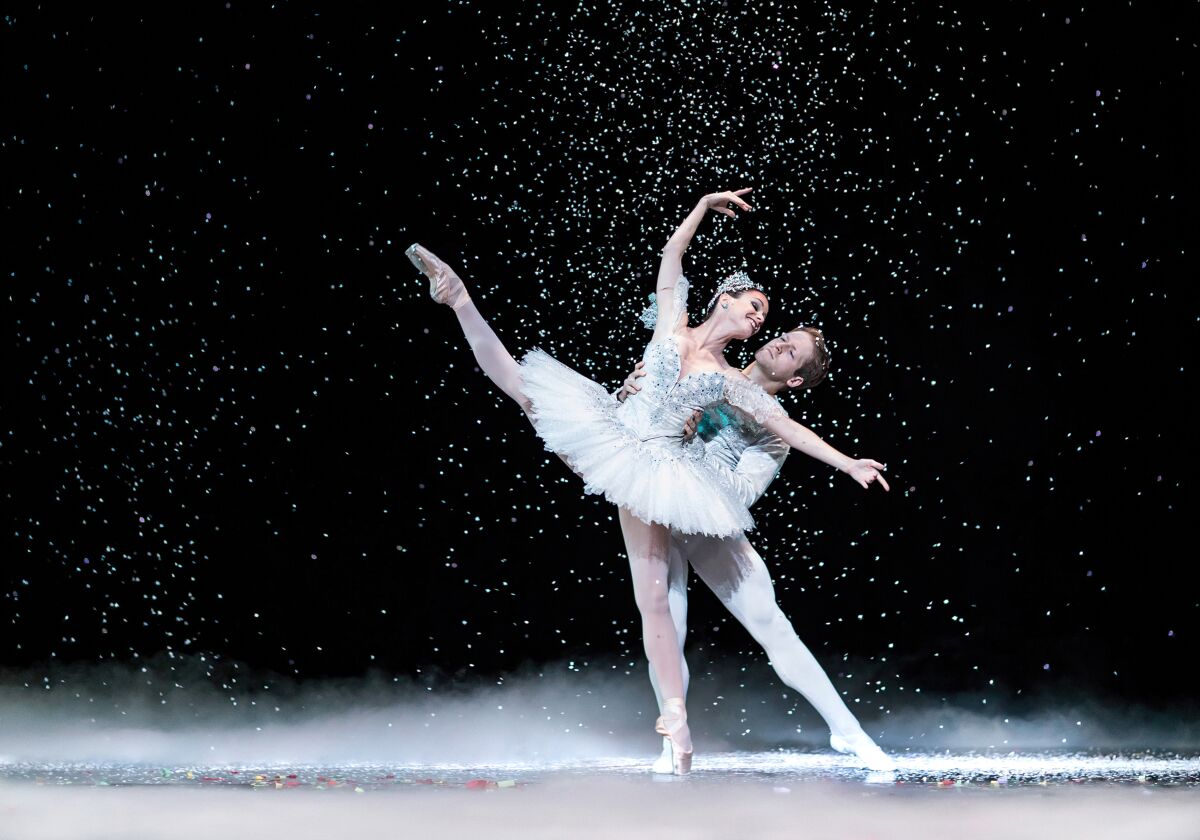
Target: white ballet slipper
864,749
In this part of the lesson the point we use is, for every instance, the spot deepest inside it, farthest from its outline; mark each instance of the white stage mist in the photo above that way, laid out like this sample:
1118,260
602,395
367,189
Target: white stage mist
192,712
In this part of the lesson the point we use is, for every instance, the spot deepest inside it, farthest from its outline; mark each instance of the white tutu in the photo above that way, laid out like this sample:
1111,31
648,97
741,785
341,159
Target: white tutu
634,453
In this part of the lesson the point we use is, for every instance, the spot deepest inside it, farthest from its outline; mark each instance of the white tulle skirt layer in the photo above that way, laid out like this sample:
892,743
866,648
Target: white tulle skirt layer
664,480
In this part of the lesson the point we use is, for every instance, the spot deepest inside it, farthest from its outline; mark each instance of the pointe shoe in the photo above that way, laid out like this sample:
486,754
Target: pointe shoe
673,725
663,763
444,285
864,749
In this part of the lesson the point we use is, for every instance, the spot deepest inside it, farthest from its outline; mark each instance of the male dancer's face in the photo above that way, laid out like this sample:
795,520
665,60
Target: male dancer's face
781,356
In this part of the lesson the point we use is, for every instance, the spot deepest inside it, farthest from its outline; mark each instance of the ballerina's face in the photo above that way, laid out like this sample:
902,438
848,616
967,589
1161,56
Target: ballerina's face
746,312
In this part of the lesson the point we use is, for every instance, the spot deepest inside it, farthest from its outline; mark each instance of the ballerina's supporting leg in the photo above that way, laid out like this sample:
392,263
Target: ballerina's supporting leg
677,573
648,547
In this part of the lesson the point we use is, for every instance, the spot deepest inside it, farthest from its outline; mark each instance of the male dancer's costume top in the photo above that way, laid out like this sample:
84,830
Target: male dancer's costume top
749,454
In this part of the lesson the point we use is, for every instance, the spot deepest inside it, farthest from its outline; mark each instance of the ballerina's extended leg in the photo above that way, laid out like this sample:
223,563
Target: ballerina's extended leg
444,285
493,357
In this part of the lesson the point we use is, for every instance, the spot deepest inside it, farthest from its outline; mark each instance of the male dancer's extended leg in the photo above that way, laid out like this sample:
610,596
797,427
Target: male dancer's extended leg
736,573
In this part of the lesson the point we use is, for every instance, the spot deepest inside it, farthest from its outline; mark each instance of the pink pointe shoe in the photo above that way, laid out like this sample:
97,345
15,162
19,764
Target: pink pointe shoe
444,285
673,725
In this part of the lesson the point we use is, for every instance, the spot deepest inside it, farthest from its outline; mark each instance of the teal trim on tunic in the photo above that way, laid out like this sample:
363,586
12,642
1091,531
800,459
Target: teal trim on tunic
714,420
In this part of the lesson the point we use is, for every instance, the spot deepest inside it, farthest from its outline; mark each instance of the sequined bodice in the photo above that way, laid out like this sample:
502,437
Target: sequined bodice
665,401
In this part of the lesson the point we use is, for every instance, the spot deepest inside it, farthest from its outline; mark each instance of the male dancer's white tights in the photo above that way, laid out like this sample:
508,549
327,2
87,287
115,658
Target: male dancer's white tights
737,575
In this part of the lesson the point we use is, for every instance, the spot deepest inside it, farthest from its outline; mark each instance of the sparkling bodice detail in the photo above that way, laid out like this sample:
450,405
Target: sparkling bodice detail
665,401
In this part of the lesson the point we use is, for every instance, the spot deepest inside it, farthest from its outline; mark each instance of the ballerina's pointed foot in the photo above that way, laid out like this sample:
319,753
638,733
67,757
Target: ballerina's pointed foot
444,285
673,725
864,749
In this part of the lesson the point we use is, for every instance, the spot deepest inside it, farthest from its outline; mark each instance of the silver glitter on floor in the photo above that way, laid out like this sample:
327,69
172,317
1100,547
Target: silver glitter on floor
760,795
771,769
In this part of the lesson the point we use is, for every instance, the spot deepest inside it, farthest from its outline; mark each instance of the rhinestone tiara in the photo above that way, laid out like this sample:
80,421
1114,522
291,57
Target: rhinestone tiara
739,281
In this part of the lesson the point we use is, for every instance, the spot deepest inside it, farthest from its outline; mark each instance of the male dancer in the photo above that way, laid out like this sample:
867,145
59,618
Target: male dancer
733,570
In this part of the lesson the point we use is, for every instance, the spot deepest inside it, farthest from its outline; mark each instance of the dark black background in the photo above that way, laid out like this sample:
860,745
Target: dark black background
235,426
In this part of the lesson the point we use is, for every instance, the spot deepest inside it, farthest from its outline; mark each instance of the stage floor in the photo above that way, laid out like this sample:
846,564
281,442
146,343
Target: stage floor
769,794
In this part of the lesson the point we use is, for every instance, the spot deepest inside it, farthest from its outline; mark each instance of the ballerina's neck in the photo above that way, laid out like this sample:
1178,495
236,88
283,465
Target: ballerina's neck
711,336
696,359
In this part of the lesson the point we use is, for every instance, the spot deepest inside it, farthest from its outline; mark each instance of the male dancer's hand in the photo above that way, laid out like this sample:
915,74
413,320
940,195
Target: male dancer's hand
689,428
631,386
864,471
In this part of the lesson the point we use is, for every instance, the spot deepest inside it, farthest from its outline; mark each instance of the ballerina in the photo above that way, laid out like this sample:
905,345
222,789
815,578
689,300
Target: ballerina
634,452
733,570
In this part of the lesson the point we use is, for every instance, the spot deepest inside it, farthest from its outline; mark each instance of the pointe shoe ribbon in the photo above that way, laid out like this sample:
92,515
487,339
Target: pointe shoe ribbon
673,725
444,285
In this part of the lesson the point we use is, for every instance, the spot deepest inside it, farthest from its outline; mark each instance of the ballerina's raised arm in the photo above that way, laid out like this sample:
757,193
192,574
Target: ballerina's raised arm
671,314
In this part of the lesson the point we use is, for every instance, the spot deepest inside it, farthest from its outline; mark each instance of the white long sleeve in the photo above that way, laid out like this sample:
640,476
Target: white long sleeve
751,455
